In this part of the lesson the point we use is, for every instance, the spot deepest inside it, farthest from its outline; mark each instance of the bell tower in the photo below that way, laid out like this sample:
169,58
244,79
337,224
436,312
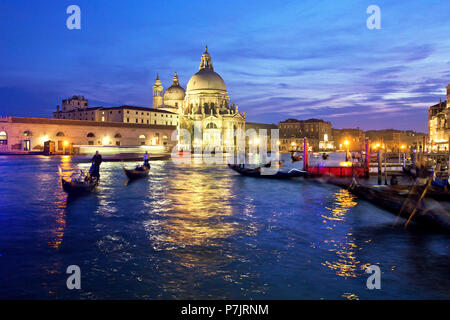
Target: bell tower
157,93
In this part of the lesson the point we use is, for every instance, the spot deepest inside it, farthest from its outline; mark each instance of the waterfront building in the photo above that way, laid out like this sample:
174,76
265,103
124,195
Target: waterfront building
353,137
77,108
18,134
392,140
318,132
439,124
204,104
258,137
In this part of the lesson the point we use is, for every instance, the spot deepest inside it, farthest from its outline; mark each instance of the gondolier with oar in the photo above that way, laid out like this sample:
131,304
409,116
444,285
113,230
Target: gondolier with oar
146,159
94,170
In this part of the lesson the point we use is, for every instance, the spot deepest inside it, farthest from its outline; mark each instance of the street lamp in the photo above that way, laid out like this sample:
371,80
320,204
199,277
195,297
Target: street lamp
403,151
346,153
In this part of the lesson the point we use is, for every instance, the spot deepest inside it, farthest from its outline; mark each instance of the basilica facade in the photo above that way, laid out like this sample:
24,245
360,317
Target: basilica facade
204,106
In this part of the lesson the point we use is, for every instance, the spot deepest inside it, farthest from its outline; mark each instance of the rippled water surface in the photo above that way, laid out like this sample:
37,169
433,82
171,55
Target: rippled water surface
202,232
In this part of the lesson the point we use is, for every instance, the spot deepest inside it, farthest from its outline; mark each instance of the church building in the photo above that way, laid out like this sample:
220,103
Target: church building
204,104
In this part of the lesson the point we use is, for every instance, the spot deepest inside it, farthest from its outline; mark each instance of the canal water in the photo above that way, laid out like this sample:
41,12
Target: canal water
202,232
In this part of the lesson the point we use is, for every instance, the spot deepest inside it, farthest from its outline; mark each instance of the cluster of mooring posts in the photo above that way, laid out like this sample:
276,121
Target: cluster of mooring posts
424,199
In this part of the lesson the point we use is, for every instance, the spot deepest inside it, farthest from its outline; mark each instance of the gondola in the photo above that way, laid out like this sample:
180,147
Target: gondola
431,192
78,188
257,173
295,158
408,207
442,184
137,173
416,172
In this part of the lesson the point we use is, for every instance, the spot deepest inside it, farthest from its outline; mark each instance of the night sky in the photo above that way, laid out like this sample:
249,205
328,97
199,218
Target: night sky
279,59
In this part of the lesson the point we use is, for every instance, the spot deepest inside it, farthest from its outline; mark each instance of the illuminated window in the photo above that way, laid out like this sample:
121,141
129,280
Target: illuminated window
3,138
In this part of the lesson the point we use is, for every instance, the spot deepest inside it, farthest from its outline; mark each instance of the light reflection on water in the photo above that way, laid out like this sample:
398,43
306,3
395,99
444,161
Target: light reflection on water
193,231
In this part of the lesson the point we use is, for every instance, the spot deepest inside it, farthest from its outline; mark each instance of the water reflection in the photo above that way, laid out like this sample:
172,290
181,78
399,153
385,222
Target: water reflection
192,209
347,264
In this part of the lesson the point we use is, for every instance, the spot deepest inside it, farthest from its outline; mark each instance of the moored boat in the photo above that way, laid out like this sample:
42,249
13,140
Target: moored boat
410,207
263,173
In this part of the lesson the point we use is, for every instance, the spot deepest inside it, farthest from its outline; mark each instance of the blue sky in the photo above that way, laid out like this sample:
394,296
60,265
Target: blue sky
279,59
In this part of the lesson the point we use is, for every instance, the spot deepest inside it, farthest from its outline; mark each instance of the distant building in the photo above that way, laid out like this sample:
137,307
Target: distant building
258,137
354,137
439,124
74,103
293,132
395,140
124,114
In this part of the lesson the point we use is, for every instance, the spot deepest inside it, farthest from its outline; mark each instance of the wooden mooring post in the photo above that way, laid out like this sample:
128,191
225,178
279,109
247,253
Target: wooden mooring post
379,166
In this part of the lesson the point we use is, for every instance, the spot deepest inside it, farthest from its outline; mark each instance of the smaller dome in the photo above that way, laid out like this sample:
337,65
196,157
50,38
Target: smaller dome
175,91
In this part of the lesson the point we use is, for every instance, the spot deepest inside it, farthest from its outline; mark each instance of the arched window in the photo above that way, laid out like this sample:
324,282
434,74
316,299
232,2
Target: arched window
27,133
142,136
90,135
60,134
118,136
211,125
3,138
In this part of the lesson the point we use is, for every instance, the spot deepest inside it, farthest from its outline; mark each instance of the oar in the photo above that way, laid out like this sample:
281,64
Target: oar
418,203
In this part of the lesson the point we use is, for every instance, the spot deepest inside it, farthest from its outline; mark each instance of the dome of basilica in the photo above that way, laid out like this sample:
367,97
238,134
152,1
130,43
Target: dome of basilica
206,78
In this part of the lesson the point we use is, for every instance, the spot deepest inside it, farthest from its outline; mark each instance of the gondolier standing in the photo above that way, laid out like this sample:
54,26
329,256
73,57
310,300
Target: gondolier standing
146,164
94,171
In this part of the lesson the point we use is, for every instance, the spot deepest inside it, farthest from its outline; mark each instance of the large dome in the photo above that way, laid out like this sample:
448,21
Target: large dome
206,79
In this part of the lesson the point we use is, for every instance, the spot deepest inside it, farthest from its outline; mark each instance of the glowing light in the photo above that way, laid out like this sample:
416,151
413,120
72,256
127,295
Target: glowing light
346,142
44,139
345,164
105,140
66,143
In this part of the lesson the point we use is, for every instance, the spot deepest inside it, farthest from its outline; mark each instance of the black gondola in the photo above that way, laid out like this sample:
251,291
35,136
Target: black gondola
295,158
77,187
256,172
408,207
137,173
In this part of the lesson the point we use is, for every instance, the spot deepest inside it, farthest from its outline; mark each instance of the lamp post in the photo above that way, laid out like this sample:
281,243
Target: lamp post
346,152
